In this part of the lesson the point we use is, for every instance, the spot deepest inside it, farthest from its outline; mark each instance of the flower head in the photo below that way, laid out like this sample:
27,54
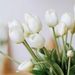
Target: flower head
70,53
16,36
26,66
67,20
26,29
33,23
51,18
61,29
16,32
36,41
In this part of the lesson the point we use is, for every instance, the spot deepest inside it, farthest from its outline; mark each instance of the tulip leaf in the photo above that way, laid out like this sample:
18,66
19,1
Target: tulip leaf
57,69
72,70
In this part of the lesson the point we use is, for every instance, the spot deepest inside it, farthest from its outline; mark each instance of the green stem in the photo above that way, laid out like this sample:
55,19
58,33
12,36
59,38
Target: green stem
64,53
66,37
30,50
63,42
57,49
46,52
10,58
71,41
69,63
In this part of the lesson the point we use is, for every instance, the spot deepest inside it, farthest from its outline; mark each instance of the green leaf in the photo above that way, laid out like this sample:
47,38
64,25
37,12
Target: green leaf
57,69
72,70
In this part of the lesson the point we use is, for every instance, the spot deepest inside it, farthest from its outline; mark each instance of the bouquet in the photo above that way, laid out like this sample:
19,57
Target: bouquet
57,61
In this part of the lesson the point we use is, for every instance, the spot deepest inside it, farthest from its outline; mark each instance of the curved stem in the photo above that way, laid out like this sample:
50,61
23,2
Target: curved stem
64,48
71,41
57,48
46,52
30,50
10,58
66,37
69,62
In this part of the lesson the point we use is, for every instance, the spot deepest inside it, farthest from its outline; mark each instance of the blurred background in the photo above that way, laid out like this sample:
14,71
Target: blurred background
15,9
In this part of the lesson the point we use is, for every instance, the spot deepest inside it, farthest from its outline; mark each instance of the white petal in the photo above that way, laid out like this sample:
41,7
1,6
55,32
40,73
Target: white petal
34,24
25,66
14,25
27,16
70,53
51,18
16,36
67,19
61,29
26,29
36,41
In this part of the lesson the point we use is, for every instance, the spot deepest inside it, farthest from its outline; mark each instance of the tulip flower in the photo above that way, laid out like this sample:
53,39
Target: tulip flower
26,29
51,18
26,66
33,23
70,53
67,19
16,32
16,36
3,32
36,41
61,29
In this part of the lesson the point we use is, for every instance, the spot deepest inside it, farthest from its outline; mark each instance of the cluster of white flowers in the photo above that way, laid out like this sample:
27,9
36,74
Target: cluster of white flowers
65,23
30,28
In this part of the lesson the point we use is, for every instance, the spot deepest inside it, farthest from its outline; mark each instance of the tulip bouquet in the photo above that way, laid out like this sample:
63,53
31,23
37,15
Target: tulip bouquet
57,61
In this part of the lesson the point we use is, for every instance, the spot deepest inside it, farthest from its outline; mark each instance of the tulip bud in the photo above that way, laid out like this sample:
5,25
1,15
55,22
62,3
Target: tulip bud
33,22
15,32
36,41
70,53
61,29
67,20
26,66
51,18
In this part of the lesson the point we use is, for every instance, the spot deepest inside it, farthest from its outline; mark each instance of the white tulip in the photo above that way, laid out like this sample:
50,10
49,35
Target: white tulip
26,29
61,29
14,25
51,18
27,17
16,36
36,41
3,32
67,19
33,22
70,53
16,32
26,66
